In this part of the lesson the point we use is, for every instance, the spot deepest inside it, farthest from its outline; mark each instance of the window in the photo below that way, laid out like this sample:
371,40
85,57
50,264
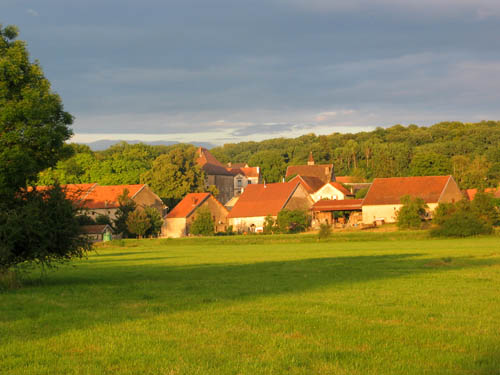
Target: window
239,182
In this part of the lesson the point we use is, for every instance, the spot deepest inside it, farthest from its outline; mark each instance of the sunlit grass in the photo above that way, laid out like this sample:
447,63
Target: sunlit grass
262,305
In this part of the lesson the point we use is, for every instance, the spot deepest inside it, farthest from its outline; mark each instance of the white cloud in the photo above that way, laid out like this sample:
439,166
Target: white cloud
33,12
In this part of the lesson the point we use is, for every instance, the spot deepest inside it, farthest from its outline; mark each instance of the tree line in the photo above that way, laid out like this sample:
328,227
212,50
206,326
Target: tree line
468,151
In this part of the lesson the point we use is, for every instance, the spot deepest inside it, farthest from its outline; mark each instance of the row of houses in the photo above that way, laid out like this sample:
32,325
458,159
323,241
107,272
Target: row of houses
315,188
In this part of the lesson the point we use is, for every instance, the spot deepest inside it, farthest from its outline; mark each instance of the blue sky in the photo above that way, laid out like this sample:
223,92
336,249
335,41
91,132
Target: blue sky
230,70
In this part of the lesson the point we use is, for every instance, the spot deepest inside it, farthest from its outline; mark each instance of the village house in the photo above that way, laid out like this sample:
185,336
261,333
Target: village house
383,200
333,191
244,176
177,223
314,175
259,201
96,200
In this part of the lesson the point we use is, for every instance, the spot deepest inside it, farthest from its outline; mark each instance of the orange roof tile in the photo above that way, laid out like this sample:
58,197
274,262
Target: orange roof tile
322,171
263,199
471,193
337,205
311,184
345,179
74,192
210,164
186,206
341,188
106,196
391,190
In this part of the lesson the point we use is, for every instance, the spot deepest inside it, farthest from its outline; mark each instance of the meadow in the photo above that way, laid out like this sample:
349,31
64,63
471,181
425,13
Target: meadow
363,303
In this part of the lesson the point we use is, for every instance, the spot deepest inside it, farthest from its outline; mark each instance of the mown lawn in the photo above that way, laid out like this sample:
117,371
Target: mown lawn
357,304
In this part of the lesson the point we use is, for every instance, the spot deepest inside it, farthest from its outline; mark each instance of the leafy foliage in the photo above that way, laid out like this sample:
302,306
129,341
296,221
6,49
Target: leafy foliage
155,220
412,213
292,221
126,206
269,225
138,222
40,227
325,231
203,224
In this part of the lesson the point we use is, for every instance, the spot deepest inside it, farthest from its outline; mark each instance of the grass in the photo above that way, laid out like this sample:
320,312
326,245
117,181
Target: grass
359,303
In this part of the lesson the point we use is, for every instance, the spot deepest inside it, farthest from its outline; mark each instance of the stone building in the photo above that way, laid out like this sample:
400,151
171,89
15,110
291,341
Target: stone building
178,221
216,174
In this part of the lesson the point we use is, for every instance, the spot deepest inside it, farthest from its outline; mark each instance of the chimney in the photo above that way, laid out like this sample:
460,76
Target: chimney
310,161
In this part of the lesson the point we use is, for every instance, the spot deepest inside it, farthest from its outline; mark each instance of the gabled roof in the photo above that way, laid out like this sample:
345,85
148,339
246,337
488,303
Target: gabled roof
186,206
322,171
74,192
248,171
263,199
337,205
95,229
346,179
107,196
391,190
311,184
341,188
471,193
210,164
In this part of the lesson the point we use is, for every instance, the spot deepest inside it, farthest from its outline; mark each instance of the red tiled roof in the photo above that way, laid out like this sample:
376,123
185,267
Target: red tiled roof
186,206
210,164
311,184
391,190
263,199
248,171
74,192
106,196
337,205
237,165
341,188
346,179
471,193
322,171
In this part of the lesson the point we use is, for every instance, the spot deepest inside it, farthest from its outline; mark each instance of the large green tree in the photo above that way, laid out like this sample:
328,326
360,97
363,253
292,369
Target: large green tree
175,174
33,123
35,226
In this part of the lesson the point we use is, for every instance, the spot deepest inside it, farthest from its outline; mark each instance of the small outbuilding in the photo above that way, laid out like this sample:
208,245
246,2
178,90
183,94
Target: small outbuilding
178,221
97,233
335,211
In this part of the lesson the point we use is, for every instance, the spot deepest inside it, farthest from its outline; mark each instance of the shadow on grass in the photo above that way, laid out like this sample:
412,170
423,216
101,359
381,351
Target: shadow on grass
82,298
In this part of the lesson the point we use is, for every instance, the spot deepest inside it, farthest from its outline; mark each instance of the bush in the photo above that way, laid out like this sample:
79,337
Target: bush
462,223
269,225
103,220
484,205
203,224
325,231
138,222
411,215
155,220
361,193
292,221
40,227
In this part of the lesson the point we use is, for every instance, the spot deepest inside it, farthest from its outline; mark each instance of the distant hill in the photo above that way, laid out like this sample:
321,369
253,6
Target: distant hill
103,144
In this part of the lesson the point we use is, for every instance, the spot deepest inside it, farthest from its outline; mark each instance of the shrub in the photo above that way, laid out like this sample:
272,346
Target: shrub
484,205
203,224
138,222
155,220
410,216
269,225
103,220
292,221
325,231
462,223
361,193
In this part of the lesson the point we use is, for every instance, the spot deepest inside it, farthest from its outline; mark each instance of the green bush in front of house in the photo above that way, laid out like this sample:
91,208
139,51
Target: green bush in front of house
292,221
203,224
412,213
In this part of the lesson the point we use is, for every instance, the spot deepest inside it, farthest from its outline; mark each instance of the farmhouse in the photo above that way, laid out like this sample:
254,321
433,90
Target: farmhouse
313,174
244,176
259,201
333,191
178,221
383,200
103,200
97,233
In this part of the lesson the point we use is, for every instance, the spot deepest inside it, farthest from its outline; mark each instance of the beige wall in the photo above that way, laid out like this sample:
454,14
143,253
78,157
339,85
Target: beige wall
327,192
387,212
147,198
243,224
451,193
174,227
219,215
93,213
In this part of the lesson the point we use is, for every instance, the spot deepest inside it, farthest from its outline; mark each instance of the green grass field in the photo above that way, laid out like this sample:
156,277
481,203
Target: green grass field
365,303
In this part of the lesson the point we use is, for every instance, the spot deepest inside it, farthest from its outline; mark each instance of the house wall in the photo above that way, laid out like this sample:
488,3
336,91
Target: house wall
93,213
147,198
451,193
225,185
243,224
327,192
388,212
174,227
300,200
219,215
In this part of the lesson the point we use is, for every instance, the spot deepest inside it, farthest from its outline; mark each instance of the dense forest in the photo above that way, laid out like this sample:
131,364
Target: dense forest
470,152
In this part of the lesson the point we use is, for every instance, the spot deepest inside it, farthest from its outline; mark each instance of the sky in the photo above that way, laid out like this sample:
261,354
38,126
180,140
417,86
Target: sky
224,71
